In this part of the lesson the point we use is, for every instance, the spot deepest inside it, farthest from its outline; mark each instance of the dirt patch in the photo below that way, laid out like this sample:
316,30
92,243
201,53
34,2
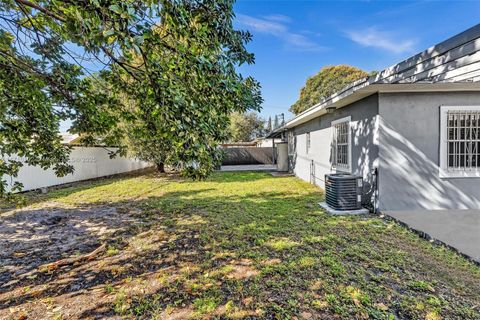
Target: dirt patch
237,246
242,269
32,237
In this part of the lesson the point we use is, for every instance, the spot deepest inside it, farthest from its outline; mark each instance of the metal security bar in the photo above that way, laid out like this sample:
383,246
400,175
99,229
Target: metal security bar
341,144
463,140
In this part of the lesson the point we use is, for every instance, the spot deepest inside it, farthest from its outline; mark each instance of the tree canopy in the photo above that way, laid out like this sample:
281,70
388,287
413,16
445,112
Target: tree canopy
176,60
329,80
246,126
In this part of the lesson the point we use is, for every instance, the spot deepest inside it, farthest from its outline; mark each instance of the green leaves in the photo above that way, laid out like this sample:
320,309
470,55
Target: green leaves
108,33
325,83
115,8
188,85
168,82
35,95
245,127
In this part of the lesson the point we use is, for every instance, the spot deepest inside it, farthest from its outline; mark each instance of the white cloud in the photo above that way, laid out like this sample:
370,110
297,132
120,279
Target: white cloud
301,42
278,18
262,25
372,37
277,25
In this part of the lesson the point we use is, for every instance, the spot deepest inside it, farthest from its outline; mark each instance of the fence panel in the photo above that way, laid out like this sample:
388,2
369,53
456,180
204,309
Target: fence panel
252,155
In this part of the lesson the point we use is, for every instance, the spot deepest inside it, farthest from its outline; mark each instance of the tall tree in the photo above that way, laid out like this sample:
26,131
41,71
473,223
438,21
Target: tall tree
269,124
176,59
37,91
245,126
329,80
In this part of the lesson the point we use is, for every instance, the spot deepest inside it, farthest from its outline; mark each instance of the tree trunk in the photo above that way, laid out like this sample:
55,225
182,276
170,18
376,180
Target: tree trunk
161,167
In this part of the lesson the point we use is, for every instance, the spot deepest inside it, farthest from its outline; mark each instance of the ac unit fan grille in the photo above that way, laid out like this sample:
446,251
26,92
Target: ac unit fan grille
343,192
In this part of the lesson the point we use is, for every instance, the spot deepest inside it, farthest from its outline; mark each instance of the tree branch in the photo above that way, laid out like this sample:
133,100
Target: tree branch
41,9
119,63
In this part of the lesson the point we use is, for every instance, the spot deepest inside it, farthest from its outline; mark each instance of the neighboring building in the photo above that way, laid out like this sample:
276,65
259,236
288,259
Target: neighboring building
412,131
266,143
258,142
68,138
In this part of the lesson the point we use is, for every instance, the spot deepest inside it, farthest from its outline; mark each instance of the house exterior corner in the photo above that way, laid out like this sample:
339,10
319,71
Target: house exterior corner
410,138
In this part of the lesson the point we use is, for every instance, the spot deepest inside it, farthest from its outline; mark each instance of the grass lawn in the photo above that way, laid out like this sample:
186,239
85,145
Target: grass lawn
238,246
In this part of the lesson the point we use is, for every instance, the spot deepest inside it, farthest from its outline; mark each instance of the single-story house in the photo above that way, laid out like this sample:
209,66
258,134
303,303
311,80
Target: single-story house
412,131
263,142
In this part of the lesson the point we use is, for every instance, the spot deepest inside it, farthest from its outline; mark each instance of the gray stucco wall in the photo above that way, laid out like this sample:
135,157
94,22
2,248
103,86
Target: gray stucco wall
313,166
409,139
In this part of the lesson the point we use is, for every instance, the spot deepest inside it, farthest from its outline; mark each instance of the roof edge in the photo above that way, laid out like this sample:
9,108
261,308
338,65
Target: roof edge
367,90
443,47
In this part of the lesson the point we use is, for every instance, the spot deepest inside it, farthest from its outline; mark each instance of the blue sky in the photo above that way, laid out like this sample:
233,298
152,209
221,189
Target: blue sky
293,40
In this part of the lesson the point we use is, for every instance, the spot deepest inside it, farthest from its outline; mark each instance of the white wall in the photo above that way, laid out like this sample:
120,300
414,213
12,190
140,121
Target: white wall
89,163
267,143
319,152
364,122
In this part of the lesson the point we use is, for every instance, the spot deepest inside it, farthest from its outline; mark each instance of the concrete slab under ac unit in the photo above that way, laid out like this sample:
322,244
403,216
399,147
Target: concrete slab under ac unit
332,211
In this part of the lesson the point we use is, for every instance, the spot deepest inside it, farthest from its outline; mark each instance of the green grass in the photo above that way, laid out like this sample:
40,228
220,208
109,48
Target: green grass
251,246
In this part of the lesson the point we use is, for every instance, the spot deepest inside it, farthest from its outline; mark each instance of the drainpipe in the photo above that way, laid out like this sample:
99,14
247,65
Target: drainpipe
375,190
273,151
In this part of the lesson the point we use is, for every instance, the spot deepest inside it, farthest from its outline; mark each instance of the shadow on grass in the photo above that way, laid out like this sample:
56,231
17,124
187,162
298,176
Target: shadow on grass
56,192
238,245
145,237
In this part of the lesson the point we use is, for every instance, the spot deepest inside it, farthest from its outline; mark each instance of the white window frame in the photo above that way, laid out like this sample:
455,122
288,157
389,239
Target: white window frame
347,169
308,142
444,171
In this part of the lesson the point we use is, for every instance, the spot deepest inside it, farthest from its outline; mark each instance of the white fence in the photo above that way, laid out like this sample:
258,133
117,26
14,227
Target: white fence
89,163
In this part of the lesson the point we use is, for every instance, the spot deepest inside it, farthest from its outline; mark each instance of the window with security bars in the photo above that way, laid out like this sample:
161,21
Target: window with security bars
461,141
341,144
